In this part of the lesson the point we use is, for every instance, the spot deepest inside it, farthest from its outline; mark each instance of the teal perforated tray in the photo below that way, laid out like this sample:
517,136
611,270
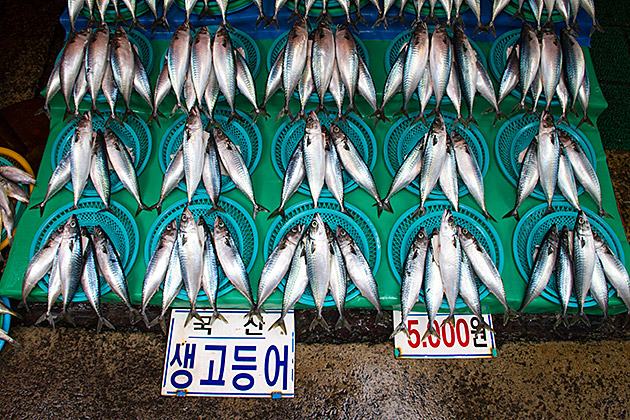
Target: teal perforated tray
118,224
281,41
289,134
237,220
356,223
532,228
406,228
403,136
134,133
516,134
245,134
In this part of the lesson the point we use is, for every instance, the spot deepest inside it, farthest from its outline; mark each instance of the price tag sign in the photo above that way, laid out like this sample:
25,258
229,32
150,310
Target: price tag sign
240,358
464,340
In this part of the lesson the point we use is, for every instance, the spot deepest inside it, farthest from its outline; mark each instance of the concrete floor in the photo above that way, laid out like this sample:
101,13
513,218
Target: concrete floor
74,373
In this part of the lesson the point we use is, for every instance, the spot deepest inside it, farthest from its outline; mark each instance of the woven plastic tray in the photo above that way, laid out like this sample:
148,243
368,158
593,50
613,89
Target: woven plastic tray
402,138
134,133
356,223
19,206
6,320
289,134
238,221
406,228
511,9
233,6
396,44
516,134
119,225
110,14
240,40
498,57
532,228
245,134
333,7
281,41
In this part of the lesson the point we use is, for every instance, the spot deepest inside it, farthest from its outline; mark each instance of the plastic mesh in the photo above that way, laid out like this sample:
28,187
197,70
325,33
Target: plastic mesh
516,134
281,41
134,133
498,57
236,218
406,228
245,134
119,225
532,228
289,134
403,136
356,223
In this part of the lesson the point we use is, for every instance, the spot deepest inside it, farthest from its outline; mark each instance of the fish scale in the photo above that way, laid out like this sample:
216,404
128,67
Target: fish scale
190,259
318,266
210,273
314,156
583,261
544,265
293,178
178,58
564,272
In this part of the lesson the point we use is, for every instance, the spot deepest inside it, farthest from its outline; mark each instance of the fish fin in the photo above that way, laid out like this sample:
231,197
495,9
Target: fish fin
513,213
161,22
401,327
379,115
581,317
25,305
217,315
257,208
274,20
319,320
192,314
155,116
258,112
560,318
470,119
43,110
65,316
134,316
449,320
509,314
420,211
46,316
603,213
299,115
586,119
418,118
277,212
102,321
431,331
137,23
285,111
234,116
342,323
400,16
145,318
280,324
218,208
141,207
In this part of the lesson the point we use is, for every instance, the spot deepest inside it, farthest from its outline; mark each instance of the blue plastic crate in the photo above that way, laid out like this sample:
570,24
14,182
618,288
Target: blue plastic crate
280,43
237,219
356,223
406,228
532,228
403,136
118,224
245,134
516,134
134,133
289,134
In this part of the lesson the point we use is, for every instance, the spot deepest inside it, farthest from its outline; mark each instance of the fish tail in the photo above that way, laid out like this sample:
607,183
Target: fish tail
488,216
470,119
274,20
581,317
358,16
431,331
342,323
285,111
352,23
483,325
509,314
420,211
192,314
382,19
603,213
379,316
107,209
498,115
254,312
277,212
379,115
401,327
596,27
234,116
400,16
65,316
449,320
41,207
319,320
44,110
418,118
141,207
157,206
162,22
134,316
135,22
46,316
216,207
155,117
294,14
513,213
560,318
128,113
257,208
217,315
262,18
586,119
279,324
102,321
145,318
28,309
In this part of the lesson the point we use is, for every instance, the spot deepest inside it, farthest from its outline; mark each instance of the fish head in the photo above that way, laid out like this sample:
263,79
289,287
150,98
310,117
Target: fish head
187,218
103,29
458,33
582,225
295,233
599,242
185,27
193,121
547,121
312,121
438,123
98,234
220,228
71,227
317,226
84,34
219,136
342,235
448,220
171,228
464,234
203,31
421,238
553,235
337,135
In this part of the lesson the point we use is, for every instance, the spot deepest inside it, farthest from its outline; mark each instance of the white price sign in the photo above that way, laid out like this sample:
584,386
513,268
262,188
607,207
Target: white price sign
240,358
464,340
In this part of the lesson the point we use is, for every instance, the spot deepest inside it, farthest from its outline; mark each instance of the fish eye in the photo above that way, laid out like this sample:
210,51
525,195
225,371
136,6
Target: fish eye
294,229
315,224
336,129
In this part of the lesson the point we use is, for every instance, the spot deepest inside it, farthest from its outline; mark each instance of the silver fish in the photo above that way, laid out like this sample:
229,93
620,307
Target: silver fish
237,169
91,284
71,61
193,145
527,179
440,61
564,273
210,272
158,265
141,82
74,7
293,178
52,87
563,96
163,21
212,94
497,7
224,62
297,280
337,90
449,258
469,171
178,59
566,181
536,91
190,97
589,6
162,88
485,269
274,79
211,174
583,261
548,156
407,173
382,15
173,175
466,59
550,62
564,9
475,7
40,264
432,160
543,267
393,83
54,291
201,61
123,166
96,61
131,6
70,260
318,252
348,63
334,175
448,176
99,172
123,69
111,269
80,154
277,265
293,62
599,288
277,7
433,285
59,178
354,164
16,174
110,91
529,61
469,292
190,259
223,5
230,259
584,95
172,284
306,86
314,154
413,277
246,85
415,62
454,93
511,74
338,279
486,89
614,269
359,270
14,191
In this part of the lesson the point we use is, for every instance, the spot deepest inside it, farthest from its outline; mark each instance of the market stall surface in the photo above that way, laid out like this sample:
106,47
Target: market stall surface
75,373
